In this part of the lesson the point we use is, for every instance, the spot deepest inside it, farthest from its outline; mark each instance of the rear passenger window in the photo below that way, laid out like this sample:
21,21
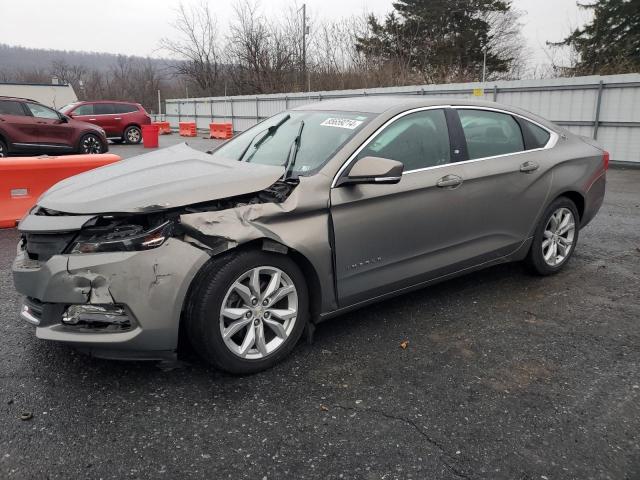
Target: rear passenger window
538,137
418,140
124,108
490,133
9,107
103,109
84,110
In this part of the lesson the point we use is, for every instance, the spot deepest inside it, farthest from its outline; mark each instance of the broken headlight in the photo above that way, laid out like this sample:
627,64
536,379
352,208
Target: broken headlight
120,238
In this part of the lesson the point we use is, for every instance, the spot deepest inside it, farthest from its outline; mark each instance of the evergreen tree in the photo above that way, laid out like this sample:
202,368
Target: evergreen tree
611,42
440,39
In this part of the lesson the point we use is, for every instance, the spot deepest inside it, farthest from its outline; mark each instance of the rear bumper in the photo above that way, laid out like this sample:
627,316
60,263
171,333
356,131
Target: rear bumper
150,286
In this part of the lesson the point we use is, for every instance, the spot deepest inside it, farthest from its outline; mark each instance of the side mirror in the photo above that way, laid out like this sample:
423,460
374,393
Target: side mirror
373,170
64,118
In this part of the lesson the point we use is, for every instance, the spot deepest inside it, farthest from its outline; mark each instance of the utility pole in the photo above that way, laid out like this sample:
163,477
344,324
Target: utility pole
159,106
305,32
484,63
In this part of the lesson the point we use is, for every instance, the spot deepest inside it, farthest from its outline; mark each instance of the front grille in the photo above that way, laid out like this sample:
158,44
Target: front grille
42,246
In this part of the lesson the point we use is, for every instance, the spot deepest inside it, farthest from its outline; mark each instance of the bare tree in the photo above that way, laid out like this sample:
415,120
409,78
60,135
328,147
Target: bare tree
196,47
262,55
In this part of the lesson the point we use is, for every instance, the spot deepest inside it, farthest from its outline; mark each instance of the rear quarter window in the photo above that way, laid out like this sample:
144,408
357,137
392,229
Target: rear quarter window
535,137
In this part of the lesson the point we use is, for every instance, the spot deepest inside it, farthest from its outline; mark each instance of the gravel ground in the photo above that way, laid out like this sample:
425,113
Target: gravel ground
505,376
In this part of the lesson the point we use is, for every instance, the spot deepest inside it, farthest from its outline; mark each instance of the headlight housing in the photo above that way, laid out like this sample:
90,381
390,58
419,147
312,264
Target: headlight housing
122,237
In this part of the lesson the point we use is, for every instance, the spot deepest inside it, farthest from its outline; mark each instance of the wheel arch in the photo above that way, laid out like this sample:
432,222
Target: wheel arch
314,286
131,124
576,197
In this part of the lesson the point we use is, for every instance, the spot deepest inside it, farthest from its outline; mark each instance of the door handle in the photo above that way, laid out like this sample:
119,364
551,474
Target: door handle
449,181
118,118
92,119
528,167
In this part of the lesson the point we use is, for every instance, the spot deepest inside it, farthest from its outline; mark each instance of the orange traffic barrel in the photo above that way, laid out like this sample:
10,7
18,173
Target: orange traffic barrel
150,135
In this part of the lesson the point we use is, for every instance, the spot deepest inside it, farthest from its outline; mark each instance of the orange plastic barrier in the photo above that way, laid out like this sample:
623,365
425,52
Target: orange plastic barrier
187,129
222,131
24,179
165,127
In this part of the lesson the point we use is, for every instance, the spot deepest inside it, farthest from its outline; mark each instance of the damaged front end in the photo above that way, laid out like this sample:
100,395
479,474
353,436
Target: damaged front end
114,284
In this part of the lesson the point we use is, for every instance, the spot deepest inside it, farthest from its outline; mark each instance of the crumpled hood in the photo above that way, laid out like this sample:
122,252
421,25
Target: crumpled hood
167,178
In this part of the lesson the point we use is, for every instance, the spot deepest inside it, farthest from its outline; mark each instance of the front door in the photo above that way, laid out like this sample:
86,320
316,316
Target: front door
49,130
392,236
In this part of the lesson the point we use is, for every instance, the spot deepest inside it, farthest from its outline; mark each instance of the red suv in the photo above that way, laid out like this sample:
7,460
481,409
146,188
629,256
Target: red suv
121,120
28,127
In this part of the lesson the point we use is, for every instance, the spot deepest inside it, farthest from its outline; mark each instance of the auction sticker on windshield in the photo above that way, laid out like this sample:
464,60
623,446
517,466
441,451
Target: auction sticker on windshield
341,123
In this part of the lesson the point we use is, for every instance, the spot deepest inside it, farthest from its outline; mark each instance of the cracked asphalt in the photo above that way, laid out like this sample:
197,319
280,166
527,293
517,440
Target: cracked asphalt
505,376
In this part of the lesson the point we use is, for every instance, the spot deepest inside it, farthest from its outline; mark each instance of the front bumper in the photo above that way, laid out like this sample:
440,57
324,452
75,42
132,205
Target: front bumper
149,285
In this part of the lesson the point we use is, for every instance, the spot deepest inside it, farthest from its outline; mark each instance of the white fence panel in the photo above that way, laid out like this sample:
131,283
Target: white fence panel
603,107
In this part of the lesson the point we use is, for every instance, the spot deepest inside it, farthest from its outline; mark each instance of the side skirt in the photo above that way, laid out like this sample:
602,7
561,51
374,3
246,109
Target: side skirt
519,254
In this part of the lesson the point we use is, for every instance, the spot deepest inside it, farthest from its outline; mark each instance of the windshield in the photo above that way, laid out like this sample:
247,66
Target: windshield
324,133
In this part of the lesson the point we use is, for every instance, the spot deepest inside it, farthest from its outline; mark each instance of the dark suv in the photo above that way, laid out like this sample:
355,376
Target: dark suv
28,127
122,121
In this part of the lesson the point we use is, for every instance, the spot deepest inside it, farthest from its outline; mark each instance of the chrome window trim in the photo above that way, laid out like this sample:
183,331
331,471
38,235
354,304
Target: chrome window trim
553,138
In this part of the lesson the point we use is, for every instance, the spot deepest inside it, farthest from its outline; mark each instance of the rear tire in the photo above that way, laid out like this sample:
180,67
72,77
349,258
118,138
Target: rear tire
555,238
4,152
244,322
132,135
91,144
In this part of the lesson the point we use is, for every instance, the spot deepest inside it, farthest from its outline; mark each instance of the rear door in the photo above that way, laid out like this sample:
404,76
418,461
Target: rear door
124,116
506,174
16,125
49,129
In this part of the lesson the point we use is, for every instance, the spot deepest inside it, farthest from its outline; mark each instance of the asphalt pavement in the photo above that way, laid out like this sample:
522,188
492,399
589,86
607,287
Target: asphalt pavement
504,376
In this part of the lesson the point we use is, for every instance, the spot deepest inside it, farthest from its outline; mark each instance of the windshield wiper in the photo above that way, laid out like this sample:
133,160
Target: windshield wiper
268,133
293,153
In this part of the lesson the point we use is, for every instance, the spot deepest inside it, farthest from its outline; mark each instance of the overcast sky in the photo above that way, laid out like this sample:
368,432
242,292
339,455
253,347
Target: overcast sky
135,26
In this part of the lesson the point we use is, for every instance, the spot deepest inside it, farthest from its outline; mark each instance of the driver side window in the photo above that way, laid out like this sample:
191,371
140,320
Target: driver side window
418,140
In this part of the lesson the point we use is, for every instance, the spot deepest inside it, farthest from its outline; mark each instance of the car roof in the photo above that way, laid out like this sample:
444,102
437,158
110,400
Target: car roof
17,99
389,105
107,101
382,103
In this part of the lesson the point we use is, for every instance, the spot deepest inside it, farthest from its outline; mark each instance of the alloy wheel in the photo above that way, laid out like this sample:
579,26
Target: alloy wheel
91,145
558,234
2,152
258,312
133,135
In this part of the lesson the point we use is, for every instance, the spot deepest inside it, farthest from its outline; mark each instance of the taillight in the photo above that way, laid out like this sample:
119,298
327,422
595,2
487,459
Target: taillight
605,160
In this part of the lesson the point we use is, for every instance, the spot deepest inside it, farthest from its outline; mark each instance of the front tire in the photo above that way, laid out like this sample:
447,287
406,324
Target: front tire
132,135
247,310
91,144
3,150
555,238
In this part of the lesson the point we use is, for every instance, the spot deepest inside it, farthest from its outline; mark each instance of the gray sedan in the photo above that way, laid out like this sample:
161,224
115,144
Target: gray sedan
314,212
